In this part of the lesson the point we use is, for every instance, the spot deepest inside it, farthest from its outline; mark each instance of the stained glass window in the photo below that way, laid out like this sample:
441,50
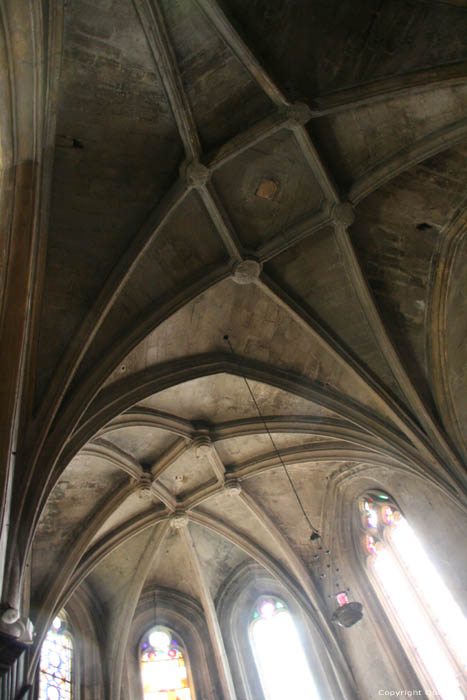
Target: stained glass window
163,668
426,616
280,658
56,663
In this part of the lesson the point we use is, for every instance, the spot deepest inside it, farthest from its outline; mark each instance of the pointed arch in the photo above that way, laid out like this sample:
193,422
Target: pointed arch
427,620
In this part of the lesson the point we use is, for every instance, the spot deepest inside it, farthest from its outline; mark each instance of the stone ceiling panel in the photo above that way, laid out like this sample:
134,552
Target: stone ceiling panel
133,506
114,124
82,491
111,579
280,503
223,96
217,556
258,328
173,568
232,512
259,214
317,273
144,443
313,48
240,449
223,397
185,247
398,234
355,140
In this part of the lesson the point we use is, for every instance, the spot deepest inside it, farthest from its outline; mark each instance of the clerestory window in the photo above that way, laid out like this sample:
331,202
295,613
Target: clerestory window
278,652
428,621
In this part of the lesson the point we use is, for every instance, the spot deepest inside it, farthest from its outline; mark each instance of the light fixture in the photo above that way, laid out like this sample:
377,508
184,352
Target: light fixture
347,613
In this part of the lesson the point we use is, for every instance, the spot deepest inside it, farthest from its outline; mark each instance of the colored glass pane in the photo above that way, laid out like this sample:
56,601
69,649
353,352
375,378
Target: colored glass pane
163,669
387,514
55,666
428,618
267,609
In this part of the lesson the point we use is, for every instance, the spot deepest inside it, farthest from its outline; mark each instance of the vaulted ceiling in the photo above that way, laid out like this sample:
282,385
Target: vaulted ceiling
291,175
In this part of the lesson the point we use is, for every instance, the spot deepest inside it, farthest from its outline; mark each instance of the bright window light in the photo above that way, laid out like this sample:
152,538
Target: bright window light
428,618
163,669
418,628
446,612
279,655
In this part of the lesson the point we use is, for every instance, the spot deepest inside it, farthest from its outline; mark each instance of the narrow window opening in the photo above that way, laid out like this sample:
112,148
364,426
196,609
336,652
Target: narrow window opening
56,663
429,621
163,667
278,652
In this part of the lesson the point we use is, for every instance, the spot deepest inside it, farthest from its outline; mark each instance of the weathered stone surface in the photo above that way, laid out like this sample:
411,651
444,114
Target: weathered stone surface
356,140
398,232
208,159
298,191
315,48
113,103
209,67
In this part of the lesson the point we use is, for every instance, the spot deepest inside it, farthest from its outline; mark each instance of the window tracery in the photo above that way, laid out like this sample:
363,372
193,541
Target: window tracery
429,622
278,652
56,662
164,670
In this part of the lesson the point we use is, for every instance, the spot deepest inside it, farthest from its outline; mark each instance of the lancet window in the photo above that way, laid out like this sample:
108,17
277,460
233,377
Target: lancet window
430,624
278,652
56,663
164,669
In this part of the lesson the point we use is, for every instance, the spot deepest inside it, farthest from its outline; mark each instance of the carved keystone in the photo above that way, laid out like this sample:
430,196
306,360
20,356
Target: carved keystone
343,214
178,521
298,114
233,487
196,174
247,272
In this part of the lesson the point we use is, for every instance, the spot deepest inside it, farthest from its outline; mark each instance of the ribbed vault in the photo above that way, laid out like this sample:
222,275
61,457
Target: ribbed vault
291,175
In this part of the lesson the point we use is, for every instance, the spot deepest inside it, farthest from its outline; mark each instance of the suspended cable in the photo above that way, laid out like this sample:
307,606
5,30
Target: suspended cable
314,532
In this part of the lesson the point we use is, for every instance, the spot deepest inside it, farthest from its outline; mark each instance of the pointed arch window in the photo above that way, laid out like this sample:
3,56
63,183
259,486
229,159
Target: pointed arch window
428,621
164,669
278,652
56,663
